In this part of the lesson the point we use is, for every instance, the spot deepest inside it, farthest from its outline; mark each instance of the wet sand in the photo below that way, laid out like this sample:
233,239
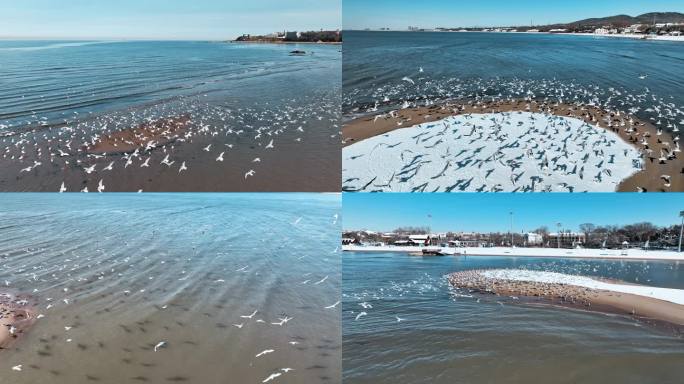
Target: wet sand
646,309
17,315
131,159
150,135
649,179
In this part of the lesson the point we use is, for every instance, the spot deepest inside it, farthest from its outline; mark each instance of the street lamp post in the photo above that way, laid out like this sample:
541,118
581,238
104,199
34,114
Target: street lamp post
559,234
681,230
511,228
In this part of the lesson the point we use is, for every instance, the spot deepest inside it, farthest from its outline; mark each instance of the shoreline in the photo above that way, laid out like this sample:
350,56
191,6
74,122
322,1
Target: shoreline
623,36
602,297
582,253
641,135
286,42
17,315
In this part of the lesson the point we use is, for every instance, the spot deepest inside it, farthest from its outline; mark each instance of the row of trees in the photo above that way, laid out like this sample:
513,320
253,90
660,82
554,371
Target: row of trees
596,236
635,234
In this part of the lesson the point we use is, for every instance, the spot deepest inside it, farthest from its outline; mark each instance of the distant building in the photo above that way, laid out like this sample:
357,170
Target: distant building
420,239
534,239
558,30
566,239
601,31
469,243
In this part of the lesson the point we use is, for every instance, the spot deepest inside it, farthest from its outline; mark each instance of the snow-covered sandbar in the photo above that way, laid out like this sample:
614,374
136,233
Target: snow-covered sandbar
507,151
652,304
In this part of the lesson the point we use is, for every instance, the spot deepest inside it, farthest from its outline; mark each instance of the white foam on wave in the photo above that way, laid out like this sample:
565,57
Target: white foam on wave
667,294
56,46
511,151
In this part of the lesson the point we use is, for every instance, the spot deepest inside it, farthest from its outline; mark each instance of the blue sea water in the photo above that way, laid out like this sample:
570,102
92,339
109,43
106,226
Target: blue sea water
48,81
463,65
116,274
445,336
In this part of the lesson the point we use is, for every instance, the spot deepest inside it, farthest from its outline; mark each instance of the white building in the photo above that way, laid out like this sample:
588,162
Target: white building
601,31
534,239
566,239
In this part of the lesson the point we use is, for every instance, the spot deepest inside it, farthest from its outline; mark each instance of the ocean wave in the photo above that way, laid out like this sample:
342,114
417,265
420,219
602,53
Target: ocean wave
57,45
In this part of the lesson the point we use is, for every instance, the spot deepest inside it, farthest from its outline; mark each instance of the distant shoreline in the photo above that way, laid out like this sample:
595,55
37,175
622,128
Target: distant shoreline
570,253
627,36
286,42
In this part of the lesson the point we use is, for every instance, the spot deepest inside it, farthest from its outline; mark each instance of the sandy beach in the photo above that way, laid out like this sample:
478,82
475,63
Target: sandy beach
17,314
658,149
532,289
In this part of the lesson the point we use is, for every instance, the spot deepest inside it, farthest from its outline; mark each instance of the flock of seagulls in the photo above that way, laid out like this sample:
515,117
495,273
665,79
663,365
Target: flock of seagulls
438,149
70,154
139,299
490,152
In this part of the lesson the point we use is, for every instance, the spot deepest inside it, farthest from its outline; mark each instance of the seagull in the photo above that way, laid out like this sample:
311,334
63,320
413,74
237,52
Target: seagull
250,316
239,325
166,161
642,77
62,188
271,377
332,306
100,186
182,168
220,157
264,352
17,367
256,160
399,319
360,315
270,145
146,163
109,167
286,370
282,321
408,79
250,173
207,148
90,169
160,344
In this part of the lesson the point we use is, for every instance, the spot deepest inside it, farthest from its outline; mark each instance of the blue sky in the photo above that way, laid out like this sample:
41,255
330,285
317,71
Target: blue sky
162,19
490,212
399,14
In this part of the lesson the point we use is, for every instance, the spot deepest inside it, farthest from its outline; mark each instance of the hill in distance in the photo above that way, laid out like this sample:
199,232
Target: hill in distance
624,20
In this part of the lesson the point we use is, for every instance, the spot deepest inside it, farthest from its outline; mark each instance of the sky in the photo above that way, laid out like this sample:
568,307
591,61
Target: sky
162,19
477,212
399,14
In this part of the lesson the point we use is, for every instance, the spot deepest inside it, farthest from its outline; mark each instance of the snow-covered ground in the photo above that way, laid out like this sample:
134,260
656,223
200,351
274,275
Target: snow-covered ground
668,294
635,254
631,36
512,151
